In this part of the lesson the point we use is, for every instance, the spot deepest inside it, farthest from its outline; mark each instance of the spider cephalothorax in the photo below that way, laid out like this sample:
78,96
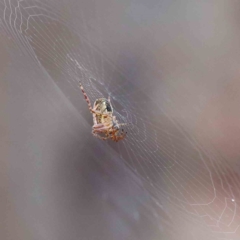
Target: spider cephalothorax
105,125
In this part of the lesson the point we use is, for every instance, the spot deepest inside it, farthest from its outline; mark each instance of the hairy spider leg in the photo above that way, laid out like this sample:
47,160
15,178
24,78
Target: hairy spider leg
98,136
86,97
98,126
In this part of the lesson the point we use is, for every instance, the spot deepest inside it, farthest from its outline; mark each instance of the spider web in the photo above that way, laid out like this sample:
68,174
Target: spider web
105,46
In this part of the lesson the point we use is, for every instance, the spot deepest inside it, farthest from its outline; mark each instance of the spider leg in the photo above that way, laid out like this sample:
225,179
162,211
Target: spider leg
93,110
119,124
86,97
98,136
98,126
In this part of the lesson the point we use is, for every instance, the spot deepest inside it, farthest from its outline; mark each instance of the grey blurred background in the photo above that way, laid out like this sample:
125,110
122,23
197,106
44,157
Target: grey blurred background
171,69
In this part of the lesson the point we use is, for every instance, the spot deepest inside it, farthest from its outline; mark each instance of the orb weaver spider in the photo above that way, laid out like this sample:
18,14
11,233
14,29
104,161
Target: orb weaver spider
105,125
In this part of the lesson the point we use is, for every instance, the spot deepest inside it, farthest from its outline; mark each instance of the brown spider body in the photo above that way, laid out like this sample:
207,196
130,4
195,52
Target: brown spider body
105,126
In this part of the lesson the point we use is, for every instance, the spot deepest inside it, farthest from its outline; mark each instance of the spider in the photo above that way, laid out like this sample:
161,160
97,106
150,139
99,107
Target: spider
105,125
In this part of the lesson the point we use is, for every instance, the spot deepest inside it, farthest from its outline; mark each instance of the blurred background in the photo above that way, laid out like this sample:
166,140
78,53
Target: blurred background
171,69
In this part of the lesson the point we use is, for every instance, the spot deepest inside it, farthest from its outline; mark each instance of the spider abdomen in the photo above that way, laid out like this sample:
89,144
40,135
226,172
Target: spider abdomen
103,106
